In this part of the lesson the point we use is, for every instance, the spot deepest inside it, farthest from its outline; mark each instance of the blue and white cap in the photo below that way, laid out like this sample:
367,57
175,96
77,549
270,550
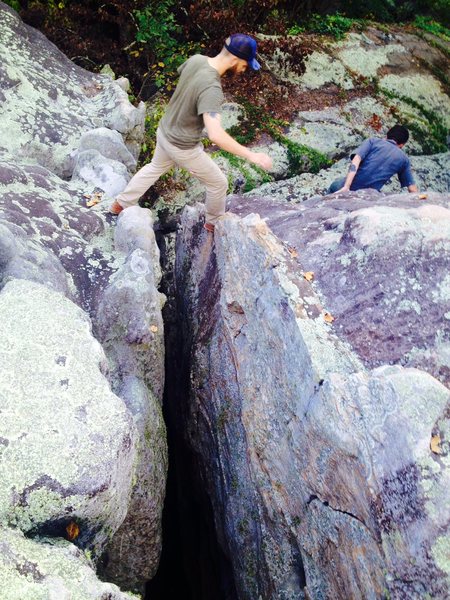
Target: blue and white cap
243,46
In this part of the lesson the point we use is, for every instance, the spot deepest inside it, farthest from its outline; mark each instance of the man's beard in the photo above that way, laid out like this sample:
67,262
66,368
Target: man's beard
233,73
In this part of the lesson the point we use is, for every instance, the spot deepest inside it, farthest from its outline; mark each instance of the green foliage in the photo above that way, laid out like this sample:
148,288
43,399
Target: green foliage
389,11
151,125
427,24
15,4
335,25
157,36
302,158
241,165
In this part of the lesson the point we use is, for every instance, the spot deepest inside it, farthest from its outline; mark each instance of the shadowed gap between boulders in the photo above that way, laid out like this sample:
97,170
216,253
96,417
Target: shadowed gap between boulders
192,563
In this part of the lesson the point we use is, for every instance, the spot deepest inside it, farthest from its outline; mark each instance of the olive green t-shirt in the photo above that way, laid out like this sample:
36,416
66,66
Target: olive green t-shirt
198,91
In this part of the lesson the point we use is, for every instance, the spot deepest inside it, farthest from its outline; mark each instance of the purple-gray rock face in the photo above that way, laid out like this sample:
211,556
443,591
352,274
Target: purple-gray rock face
382,264
327,479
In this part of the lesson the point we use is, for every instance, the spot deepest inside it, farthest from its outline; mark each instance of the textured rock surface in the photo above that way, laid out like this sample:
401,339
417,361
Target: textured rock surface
47,102
135,346
62,460
320,472
56,117
431,174
382,264
49,569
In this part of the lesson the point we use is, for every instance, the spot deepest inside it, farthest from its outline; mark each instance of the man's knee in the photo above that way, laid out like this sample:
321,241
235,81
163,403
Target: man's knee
219,186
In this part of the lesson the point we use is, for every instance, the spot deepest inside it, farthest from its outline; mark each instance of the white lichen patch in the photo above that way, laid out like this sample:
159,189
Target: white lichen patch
440,552
442,291
409,305
329,138
49,570
423,89
365,60
71,441
321,69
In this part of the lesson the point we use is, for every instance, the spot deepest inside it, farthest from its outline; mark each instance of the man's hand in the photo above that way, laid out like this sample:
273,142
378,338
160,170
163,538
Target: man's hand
221,138
261,159
346,188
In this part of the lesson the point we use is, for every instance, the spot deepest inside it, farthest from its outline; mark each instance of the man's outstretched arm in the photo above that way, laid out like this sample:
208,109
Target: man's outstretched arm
354,166
221,138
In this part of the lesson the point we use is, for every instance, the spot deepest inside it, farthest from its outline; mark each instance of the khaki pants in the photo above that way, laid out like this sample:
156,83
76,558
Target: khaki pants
195,160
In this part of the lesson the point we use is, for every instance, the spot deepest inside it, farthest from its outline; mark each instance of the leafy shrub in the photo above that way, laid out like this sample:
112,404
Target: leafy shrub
15,4
334,25
427,24
157,34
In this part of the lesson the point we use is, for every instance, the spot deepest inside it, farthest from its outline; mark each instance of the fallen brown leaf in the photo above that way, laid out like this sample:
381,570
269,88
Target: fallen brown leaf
73,531
293,252
93,202
328,318
153,328
435,444
423,196
309,275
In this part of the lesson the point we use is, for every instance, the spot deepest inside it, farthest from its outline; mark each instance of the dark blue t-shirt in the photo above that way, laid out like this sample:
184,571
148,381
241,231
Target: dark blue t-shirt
381,159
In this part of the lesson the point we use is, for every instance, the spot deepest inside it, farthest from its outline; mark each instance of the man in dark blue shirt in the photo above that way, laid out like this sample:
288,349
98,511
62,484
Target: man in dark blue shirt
376,161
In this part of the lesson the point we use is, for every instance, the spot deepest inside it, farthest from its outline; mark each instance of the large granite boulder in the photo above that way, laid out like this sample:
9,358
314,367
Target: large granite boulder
53,238
130,327
48,103
69,443
59,121
51,569
327,479
382,264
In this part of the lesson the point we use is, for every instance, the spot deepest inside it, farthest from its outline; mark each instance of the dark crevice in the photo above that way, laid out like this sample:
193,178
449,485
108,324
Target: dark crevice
193,565
343,512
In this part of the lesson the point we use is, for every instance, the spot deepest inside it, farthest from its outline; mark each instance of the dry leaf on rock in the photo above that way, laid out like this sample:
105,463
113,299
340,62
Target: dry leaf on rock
153,328
309,275
94,199
293,252
92,202
423,196
435,444
73,531
328,317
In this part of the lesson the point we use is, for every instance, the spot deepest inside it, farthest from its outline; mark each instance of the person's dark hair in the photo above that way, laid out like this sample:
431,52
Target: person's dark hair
398,133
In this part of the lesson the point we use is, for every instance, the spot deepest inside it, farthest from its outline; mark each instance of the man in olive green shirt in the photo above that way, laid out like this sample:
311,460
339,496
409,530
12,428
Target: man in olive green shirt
196,104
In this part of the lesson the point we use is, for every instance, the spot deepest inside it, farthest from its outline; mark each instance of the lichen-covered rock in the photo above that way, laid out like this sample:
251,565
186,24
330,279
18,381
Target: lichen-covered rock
93,168
55,233
47,102
397,77
68,442
382,264
327,480
110,145
49,569
130,327
333,140
431,174
54,238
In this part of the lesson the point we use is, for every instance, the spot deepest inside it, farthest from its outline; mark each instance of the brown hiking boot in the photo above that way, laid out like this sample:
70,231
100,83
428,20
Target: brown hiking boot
115,208
209,227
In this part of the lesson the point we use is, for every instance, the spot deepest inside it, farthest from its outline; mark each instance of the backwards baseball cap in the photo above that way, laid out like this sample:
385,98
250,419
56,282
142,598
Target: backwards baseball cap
243,46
